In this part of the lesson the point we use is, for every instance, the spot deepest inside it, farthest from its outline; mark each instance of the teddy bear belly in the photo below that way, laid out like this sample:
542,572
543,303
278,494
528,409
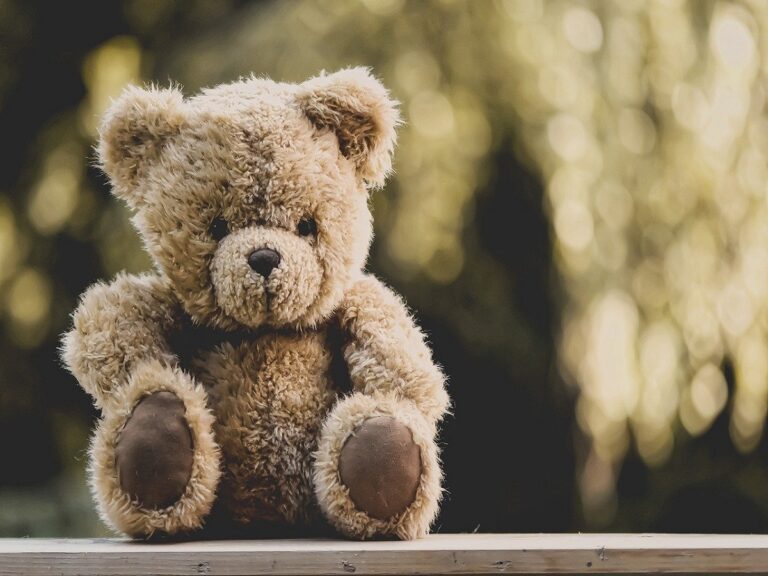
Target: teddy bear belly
270,398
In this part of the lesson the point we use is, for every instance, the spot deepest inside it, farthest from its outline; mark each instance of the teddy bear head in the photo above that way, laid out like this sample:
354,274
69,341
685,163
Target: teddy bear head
252,197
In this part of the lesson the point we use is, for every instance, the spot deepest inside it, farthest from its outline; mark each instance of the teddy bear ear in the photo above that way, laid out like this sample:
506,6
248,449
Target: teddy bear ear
133,132
358,109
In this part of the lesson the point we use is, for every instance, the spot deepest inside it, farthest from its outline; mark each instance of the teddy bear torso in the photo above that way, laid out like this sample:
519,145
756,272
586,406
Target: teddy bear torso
270,393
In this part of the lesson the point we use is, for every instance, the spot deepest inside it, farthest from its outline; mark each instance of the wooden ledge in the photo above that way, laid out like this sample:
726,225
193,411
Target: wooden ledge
439,554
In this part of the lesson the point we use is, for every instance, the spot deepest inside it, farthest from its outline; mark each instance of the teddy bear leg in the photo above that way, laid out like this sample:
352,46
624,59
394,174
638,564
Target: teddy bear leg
376,469
154,463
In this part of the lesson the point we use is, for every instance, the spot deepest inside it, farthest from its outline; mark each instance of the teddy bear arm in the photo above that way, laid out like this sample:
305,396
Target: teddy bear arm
154,462
377,468
117,326
386,352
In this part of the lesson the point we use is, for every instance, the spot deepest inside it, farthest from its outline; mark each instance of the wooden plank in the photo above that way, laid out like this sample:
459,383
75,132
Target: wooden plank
438,554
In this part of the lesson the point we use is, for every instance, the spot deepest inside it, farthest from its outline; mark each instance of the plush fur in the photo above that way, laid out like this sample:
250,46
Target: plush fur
275,372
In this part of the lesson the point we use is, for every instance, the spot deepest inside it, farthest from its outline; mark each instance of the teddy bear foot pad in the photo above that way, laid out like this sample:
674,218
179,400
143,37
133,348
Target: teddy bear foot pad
381,466
154,452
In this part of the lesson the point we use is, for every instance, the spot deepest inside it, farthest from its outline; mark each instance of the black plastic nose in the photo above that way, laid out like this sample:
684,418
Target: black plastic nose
263,261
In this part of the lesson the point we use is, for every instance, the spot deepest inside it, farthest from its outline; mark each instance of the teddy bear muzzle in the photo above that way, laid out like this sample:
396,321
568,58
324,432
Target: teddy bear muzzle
265,275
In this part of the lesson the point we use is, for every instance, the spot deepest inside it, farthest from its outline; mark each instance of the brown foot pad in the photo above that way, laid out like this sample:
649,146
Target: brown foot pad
154,451
381,465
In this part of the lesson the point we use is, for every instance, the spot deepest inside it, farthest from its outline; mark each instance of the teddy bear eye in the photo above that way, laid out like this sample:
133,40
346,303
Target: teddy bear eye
307,227
219,228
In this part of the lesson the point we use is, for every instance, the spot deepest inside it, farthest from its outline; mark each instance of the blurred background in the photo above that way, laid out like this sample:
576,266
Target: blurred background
579,218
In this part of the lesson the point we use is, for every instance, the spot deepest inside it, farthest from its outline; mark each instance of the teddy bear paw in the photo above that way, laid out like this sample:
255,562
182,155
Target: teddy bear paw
154,451
381,466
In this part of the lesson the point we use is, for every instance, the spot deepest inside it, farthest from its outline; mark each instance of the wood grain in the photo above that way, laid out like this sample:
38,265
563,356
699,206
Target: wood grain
439,554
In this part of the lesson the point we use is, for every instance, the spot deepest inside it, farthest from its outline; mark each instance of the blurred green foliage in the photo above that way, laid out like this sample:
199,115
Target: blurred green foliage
578,217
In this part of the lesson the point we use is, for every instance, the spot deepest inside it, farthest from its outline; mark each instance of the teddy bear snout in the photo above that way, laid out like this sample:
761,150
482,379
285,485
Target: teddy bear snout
262,274
263,261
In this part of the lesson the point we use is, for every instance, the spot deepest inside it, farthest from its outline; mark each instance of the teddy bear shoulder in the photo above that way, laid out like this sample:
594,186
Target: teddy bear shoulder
115,325
368,299
372,311
132,297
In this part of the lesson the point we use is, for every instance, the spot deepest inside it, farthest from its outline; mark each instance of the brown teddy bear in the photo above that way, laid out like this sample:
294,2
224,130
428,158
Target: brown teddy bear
259,375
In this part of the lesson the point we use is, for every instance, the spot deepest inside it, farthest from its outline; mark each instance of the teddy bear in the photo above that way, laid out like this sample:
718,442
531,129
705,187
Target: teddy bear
259,376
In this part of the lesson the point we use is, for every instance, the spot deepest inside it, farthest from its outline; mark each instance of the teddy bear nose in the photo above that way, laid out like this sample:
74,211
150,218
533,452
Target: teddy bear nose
263,261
